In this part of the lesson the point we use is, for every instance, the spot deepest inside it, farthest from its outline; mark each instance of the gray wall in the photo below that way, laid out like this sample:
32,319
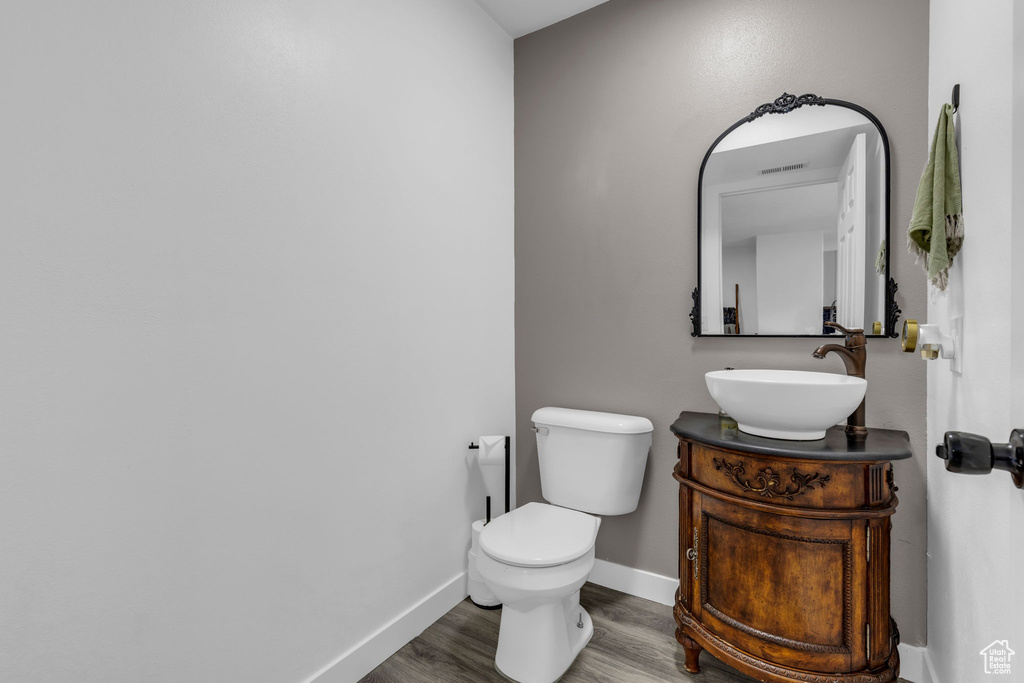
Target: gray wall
615,109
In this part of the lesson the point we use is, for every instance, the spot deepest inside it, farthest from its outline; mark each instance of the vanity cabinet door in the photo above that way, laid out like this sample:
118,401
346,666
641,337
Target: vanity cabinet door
779,587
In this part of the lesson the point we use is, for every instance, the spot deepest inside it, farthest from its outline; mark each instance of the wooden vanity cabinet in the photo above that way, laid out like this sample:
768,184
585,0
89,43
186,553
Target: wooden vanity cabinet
784,552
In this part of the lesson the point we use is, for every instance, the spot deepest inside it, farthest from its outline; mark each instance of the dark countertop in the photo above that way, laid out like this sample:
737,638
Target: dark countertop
880,444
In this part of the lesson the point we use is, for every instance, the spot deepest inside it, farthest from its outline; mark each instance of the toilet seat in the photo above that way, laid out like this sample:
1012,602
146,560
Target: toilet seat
539,535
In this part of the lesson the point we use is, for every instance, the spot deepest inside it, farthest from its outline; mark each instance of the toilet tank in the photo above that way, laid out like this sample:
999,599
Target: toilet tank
590,461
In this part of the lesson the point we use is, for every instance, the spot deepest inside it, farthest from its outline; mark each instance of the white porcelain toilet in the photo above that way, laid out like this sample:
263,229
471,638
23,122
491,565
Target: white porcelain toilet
536,557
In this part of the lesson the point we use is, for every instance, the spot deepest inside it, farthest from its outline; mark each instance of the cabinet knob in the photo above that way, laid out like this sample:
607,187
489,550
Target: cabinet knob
693,554
966,453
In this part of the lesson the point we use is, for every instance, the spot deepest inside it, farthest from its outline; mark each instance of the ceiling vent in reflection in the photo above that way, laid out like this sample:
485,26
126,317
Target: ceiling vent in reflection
783,169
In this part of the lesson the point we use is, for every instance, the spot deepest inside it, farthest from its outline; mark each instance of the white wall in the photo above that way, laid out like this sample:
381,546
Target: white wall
256,290
975,523
739,267
789,283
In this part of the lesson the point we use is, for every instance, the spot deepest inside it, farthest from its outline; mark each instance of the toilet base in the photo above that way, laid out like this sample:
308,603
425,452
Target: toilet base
538,645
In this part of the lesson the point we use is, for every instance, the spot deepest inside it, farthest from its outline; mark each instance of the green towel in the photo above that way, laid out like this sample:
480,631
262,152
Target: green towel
937,227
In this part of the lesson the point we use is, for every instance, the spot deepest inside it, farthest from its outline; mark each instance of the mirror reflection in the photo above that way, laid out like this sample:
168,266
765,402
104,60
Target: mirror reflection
794,223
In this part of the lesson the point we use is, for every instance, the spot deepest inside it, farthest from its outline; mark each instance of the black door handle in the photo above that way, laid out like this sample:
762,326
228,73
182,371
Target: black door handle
974,454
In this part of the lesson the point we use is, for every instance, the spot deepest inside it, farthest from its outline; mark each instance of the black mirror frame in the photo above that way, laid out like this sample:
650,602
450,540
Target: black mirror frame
783,105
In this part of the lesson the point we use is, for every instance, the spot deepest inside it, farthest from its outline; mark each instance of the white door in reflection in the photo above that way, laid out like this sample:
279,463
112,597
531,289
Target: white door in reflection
851,235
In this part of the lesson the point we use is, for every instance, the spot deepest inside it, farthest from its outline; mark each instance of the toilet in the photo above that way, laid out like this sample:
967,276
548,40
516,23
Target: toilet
536,557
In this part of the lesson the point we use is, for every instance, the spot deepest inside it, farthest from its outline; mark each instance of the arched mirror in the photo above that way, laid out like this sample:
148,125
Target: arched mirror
793,224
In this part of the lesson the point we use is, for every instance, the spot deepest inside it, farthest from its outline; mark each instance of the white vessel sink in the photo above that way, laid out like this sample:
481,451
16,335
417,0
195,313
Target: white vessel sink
786,404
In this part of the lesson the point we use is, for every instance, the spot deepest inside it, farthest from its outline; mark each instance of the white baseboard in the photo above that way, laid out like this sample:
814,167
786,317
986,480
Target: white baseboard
915,665
912,664
367,655
642,584
389,639
929,670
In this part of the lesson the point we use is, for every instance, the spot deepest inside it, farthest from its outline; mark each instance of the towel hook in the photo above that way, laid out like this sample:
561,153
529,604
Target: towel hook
956,97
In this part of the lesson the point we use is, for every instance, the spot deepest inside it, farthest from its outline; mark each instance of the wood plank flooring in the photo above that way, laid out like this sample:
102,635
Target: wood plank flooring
633,642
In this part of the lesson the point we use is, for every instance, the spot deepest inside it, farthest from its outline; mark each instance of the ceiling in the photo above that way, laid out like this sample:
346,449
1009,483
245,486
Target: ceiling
778,210
817,151
519,17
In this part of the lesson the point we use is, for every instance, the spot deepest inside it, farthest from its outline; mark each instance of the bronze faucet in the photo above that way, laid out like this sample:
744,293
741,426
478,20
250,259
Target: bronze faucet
855,356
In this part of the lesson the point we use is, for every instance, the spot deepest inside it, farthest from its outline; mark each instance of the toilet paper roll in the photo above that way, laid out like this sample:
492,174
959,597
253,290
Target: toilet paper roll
492,451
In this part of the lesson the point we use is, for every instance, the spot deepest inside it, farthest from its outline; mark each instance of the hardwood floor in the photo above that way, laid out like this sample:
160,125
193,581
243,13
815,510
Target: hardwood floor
633,641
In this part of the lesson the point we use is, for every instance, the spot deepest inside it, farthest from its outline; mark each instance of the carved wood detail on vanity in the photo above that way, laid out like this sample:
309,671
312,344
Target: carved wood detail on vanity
784,553
767,481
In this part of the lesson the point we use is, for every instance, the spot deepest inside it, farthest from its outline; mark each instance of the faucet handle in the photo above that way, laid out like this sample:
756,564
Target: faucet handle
829,323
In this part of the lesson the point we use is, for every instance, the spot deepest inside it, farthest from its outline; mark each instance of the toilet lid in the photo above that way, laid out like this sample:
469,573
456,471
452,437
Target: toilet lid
539,535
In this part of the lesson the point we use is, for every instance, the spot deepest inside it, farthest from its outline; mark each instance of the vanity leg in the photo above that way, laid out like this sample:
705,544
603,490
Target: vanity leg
692,649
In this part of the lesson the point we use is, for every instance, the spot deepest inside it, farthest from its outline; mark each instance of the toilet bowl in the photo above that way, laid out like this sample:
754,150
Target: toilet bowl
535,559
